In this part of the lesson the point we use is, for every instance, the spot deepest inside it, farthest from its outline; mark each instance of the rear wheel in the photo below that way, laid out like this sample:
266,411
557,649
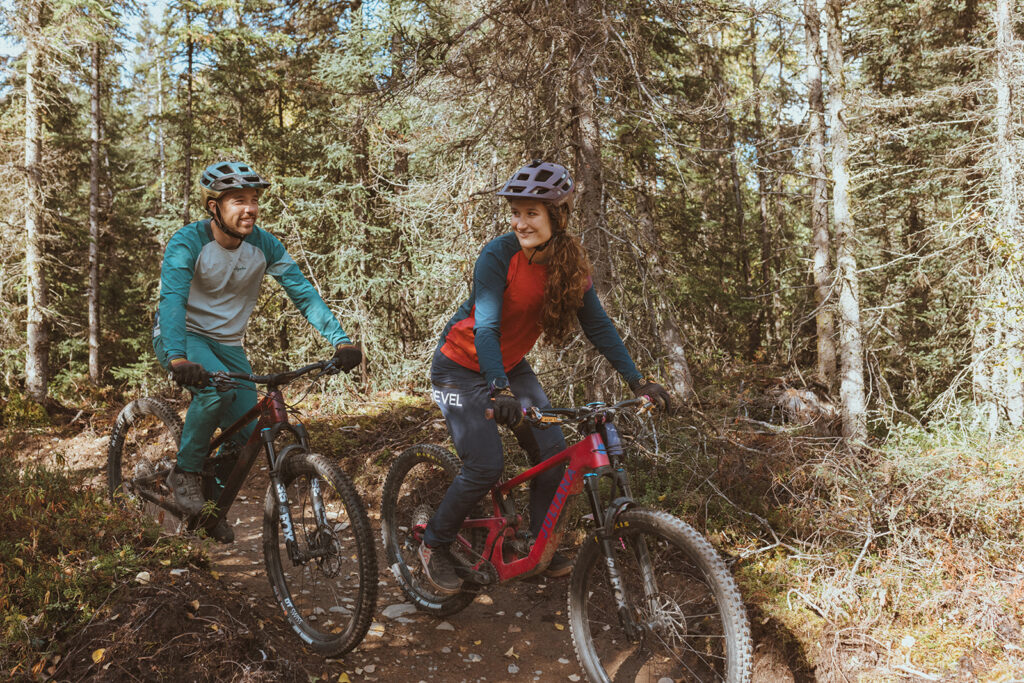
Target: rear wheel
688,619
143,448
326,583
416,483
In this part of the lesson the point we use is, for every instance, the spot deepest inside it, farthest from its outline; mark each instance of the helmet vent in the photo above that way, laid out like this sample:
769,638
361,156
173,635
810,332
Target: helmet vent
543,175
225,168
523,176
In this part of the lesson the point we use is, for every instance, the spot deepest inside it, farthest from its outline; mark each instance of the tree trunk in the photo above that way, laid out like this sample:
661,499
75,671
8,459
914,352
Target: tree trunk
160,127
186,214
94,222
1009,218
589,172
678,380
822,268
763,330
851,388
37,358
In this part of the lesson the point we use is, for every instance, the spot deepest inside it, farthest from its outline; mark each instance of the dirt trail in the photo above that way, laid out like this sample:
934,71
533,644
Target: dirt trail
527,618
514,632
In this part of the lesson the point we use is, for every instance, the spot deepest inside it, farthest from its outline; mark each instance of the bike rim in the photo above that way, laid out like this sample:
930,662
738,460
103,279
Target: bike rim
681,634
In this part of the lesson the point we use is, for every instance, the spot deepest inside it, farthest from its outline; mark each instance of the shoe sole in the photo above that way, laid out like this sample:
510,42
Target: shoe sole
558,573
437,589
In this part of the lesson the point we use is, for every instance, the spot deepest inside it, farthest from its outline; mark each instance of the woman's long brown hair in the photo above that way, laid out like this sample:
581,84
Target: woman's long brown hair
568,274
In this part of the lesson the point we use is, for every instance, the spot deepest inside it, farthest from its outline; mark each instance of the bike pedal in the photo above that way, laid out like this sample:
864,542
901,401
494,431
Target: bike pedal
471,575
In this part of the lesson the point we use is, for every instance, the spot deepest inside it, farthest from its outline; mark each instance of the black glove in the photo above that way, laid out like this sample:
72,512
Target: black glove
654,391
189,374
506,407
347,356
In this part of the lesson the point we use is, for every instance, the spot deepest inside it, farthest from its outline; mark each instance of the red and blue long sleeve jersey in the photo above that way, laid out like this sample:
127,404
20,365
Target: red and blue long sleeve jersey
500,322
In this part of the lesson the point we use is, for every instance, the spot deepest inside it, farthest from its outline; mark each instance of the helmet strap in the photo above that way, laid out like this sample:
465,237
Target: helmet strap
544,246
220,223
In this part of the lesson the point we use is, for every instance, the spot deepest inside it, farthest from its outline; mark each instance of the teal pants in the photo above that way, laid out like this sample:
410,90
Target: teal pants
210,408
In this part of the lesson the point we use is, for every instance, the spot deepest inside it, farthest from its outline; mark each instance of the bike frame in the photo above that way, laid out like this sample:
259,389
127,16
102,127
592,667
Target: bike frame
596,455
271,416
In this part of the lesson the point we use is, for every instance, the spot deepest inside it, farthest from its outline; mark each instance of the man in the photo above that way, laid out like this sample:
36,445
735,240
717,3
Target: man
209,283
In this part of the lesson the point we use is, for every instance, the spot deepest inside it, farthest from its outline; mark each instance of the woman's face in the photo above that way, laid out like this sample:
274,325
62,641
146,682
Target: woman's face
532,225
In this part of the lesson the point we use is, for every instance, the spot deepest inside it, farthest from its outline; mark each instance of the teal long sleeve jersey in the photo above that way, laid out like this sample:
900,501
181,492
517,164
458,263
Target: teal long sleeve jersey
209,290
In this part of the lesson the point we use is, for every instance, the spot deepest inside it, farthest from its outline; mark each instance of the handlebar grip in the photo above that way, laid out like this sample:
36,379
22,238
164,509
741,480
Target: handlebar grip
489,413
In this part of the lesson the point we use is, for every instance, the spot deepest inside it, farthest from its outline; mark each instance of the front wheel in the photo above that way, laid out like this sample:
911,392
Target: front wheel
684,618
326,578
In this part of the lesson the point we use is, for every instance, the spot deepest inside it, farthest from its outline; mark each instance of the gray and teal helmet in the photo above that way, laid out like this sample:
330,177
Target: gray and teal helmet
223,176
543,180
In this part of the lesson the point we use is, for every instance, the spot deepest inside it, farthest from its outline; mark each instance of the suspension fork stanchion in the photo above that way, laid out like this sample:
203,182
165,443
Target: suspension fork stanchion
643,554
604,536
318,503
287,529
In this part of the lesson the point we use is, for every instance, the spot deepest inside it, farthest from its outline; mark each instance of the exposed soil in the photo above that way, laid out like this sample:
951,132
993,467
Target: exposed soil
221,623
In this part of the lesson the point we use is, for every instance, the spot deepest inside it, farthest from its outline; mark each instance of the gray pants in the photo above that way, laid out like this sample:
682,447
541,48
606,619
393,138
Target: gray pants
463,397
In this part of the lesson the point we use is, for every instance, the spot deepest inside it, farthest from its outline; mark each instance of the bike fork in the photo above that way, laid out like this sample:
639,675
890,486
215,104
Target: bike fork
604,536
281,494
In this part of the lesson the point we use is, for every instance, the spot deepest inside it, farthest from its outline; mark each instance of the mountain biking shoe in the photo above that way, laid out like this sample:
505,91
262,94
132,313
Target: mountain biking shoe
222,532
188,490
560,565
439,568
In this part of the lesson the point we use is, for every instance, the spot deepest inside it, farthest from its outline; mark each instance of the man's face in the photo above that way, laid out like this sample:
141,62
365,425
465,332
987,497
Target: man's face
238,209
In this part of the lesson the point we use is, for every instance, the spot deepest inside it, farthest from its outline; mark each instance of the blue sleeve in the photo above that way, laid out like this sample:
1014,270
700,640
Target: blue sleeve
176,273
601,332
489,277
283,268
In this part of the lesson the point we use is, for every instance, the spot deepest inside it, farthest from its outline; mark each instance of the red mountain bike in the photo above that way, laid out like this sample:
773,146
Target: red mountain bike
317,543
649,598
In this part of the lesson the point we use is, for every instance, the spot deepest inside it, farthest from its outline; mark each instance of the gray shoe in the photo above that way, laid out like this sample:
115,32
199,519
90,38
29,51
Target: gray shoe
223,532
439,569
188,490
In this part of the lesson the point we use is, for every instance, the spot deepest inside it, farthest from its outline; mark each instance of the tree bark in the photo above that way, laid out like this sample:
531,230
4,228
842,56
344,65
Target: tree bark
186,214
37,357
1009,216
160,127
822,267
851,388
679,380
94,222
763,330
589,171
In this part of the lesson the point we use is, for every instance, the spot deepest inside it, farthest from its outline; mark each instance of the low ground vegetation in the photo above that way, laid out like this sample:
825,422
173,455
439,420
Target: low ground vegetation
902,561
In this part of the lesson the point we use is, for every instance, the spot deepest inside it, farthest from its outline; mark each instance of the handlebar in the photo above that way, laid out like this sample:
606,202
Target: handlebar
542,419
559,416
225,380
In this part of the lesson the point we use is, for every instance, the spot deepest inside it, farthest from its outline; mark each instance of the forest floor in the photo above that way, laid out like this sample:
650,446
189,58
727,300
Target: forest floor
213,617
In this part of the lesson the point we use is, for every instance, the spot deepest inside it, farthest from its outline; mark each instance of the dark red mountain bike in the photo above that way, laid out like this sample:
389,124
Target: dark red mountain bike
317,543
649,598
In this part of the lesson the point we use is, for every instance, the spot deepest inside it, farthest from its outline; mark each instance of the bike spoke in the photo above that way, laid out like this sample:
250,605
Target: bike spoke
682,634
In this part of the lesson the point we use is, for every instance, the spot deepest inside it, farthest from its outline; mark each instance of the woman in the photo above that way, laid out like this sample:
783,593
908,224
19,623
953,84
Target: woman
535,279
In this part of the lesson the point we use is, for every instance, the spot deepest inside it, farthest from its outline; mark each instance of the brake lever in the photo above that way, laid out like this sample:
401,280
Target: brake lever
221,382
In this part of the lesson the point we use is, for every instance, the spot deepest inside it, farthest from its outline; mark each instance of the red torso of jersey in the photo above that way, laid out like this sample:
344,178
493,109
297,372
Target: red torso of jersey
520,318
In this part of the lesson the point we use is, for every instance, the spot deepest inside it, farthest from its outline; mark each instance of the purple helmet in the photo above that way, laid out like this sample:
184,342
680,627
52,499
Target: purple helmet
540,180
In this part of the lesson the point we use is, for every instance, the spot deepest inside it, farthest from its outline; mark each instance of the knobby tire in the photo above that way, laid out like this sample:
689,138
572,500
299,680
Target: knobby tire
695,628
415,485
330,597
145,439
